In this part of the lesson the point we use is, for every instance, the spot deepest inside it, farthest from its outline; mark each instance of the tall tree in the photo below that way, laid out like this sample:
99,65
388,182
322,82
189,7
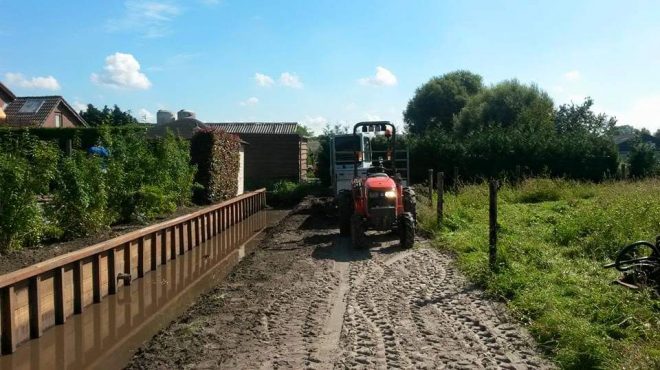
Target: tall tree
435,103
107,116
573,118
509,104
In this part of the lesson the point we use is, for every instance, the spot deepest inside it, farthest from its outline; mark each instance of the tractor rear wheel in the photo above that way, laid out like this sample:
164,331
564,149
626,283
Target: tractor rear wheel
409,202
357,232
406,230
345,210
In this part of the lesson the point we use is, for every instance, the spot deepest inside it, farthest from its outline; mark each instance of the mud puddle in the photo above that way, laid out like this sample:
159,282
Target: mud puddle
107,334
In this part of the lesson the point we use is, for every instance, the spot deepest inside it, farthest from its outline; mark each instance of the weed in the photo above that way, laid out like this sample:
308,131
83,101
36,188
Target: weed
555,236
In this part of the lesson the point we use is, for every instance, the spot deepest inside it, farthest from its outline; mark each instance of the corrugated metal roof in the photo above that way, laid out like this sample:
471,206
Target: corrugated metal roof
265,128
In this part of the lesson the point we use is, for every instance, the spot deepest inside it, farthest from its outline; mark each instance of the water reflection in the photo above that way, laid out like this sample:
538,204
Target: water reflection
106,335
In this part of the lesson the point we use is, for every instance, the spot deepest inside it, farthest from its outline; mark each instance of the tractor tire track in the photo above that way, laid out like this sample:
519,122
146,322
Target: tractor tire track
306,300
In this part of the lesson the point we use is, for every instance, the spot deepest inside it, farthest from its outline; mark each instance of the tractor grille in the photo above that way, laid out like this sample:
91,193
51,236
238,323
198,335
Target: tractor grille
377,199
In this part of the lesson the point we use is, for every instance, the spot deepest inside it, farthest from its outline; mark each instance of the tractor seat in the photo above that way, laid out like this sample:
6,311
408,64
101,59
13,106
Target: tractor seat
377,174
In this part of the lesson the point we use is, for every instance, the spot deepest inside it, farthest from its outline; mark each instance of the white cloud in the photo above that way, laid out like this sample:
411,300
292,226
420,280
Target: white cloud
372,117
291,80
149,18
383,77
78,106
263,80
43,83
122,71
145,116
315,123
250,101
572,75
644,112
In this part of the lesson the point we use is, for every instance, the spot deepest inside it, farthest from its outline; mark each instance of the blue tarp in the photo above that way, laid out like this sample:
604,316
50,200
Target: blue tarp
100,151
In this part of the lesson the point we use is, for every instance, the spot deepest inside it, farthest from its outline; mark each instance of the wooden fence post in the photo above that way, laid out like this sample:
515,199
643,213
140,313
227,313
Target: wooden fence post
431,186
441,191
492,216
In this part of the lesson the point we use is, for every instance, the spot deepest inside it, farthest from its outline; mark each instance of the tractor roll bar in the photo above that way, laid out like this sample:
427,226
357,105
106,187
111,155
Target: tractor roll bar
377,126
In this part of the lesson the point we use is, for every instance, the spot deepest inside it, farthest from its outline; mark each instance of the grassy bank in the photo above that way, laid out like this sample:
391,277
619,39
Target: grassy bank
554,238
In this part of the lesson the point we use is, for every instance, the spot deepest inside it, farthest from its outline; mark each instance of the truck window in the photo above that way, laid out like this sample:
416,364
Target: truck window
345,147
367,149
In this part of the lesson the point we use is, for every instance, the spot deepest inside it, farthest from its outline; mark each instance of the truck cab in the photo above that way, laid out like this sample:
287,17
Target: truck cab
343,149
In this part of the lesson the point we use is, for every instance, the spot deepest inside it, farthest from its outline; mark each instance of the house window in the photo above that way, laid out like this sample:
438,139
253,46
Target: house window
58,120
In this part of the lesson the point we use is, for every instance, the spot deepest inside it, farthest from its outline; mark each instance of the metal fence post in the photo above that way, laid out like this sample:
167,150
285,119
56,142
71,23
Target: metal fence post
492,216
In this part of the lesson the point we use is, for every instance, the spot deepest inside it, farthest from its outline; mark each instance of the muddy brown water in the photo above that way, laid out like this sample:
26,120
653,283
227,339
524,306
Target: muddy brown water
107,334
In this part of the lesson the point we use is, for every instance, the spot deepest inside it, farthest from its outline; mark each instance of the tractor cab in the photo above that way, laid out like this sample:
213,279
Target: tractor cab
351,151
370,192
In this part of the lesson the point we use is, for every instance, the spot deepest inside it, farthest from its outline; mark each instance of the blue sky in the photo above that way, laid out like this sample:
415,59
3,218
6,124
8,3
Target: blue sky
320,62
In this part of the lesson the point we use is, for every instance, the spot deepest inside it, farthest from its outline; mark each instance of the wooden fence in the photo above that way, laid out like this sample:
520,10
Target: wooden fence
43,295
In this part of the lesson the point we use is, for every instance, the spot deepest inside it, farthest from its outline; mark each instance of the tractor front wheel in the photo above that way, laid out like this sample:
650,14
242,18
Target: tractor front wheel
345,210
357,232
409,202
406,230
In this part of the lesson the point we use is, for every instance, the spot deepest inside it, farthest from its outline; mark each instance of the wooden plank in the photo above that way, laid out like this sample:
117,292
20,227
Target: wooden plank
36,323
78,305
155,244
166,245
112,272
7,312
96,277
58,292
181,238
140,258
127,263
199,230
65,259
189,239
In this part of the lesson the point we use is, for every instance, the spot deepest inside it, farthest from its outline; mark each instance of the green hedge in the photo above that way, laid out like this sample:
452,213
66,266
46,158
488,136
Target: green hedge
83,194
216,155
81,137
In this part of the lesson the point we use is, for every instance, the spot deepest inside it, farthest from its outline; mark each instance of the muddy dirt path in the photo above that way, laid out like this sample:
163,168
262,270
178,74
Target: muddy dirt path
305,299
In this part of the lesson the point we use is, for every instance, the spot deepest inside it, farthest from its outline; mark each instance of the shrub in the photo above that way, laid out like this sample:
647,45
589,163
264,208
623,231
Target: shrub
216,155
26,168
80,200
147,179
287,193
642,160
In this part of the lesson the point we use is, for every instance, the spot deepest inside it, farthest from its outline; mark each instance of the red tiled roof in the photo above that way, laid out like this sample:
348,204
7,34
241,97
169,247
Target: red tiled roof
16,118
6,94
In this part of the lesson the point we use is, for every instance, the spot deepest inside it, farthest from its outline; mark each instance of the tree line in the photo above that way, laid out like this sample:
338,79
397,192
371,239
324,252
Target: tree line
454,120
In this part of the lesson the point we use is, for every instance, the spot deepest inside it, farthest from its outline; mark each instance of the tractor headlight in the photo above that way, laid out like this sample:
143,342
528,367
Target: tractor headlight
390,194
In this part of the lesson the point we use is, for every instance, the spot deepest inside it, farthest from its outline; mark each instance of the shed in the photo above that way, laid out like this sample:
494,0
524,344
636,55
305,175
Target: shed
276,151
185,128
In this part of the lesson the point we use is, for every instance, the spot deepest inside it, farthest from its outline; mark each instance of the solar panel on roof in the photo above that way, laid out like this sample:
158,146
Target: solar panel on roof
31,106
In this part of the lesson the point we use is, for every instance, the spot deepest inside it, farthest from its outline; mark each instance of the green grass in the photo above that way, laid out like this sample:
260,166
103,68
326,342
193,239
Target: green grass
554,238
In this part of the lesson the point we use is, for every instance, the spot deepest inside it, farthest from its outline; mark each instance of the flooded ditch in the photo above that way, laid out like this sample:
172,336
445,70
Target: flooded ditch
107,334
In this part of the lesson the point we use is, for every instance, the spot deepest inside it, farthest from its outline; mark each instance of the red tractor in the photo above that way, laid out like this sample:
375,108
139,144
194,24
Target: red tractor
377,198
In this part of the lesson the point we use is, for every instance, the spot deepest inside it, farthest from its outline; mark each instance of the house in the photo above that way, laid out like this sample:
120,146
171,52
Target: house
6,97
626,141
43,112
276,151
